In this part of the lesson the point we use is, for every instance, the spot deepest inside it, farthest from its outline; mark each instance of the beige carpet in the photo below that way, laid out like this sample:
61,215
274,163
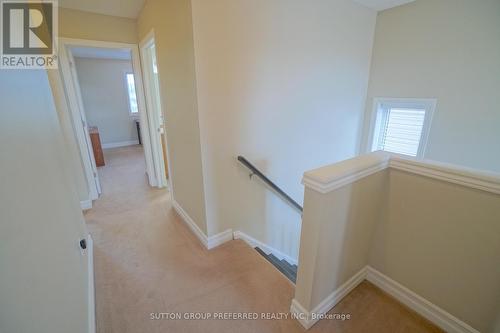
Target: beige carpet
147,261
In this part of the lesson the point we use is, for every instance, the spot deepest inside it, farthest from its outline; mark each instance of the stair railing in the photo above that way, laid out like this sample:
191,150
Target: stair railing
271,184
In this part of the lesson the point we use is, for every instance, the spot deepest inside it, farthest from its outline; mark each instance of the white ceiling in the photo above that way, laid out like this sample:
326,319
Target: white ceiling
100,53
132,8
379,5
123,8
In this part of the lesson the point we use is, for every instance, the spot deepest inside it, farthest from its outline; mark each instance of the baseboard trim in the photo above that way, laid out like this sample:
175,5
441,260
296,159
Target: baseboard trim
208,242
307,319
220,238
120,144
190,223
264,247
86,204
426,309
91,285
417,303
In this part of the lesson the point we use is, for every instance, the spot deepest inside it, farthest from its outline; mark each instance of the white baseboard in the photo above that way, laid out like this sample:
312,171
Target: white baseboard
208,242
86,204
120,144
426,309
91,286
190,223
220,238
264,247
306,318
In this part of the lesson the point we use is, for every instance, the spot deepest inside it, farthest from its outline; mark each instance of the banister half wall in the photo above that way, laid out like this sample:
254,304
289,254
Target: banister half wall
427,233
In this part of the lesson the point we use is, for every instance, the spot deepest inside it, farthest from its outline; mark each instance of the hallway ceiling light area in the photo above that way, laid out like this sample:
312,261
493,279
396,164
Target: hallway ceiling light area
122,8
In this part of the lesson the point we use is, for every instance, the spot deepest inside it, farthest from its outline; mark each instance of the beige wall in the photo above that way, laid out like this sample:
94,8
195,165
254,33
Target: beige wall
438,239
336,236
43,276
442,241
85,25
449,50
282,83
171,20
105,98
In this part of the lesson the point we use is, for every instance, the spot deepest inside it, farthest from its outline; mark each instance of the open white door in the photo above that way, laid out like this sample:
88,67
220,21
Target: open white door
153,102
81,108
80,122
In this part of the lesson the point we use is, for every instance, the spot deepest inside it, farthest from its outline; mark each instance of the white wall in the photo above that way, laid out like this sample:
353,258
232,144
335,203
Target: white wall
43,277
105,98
283,83
449,50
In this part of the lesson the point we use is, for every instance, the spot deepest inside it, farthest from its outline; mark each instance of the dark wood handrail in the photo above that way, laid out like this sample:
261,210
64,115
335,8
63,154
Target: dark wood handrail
272,185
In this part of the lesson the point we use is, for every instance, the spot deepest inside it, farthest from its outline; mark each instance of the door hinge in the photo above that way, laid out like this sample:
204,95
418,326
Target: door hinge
95,174
84,123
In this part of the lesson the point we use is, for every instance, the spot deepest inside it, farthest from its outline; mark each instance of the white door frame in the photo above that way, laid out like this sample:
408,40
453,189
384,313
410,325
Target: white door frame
155,123
76,108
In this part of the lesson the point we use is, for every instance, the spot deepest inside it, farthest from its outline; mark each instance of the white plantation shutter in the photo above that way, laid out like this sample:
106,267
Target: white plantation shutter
401,130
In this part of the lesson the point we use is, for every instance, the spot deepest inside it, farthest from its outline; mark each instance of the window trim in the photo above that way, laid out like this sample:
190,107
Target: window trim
429,104
125,81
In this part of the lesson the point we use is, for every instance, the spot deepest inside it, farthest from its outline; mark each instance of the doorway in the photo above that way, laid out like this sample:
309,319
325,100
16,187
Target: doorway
154,105
133,108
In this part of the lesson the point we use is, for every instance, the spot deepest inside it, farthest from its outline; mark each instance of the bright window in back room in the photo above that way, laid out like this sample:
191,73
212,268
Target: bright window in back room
401,126
132,97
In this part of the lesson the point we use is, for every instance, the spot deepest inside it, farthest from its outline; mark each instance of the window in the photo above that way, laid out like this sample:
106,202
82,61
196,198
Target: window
401,125
132,97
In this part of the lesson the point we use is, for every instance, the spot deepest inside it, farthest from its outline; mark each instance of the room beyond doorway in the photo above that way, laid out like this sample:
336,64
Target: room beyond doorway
89,111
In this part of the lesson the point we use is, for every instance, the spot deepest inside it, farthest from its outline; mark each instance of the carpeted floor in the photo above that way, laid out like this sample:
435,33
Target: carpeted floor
148,263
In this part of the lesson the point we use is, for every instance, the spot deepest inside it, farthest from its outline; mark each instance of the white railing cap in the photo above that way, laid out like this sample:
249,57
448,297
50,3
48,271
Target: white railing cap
334,176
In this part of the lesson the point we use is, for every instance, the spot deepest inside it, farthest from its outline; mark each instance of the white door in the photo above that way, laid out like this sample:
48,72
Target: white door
155,114
81,109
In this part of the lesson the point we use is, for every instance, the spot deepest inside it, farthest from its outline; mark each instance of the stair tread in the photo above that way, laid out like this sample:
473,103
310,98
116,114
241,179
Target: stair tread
288,265
282,265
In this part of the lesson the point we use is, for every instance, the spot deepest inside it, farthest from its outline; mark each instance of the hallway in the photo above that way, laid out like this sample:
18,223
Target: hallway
148,261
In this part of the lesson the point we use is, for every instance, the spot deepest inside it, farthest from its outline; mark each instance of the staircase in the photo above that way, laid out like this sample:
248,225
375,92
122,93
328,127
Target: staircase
289,270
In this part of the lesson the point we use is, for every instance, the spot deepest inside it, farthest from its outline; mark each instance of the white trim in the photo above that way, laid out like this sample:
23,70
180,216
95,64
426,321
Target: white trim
91,285
154,121
190,223
86,204
220,238
481,180
306,318
78,119
417,303
426,309
429,104
332,177
264,247
78,114
301,314
208,242
120,144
